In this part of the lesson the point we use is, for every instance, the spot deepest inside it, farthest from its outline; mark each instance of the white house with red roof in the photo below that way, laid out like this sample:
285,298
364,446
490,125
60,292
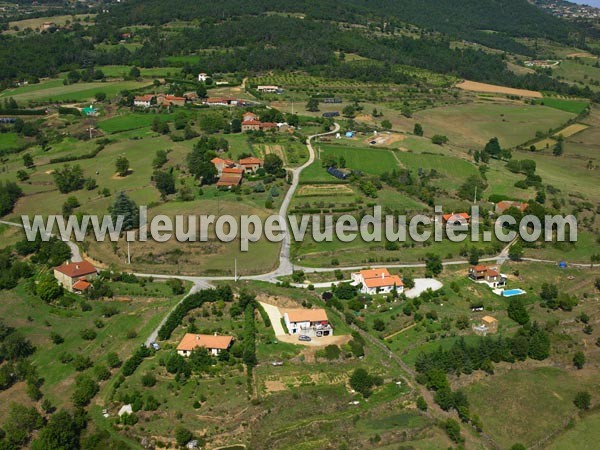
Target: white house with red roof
377,281
75,276
307,322
213,343
488,275
143,101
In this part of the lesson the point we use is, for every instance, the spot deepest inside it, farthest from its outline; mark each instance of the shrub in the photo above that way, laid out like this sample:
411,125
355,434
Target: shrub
582,400
88,334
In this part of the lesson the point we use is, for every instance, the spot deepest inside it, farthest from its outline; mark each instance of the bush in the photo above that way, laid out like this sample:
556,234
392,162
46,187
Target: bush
332,352
81,363
148,380
113,360
56,338
85,390
183,436
582,400
88,334
452,428
135,360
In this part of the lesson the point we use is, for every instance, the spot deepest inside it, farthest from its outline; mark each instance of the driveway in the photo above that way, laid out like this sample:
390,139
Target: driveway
275,318
421,285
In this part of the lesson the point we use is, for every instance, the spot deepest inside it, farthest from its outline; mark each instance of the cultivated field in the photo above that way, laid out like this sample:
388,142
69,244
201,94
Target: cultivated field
473,124
494,89
53,90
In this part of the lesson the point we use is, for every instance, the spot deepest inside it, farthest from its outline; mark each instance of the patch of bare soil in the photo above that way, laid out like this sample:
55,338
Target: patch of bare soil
317,341
493,89
280,302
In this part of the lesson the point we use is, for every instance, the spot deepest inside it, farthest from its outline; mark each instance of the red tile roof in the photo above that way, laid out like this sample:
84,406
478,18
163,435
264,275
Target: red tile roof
192,341
306,315
174,98
76,269
505,204
233,170
230,179
456,216
374,273
144,98
479,268
81,285
226,162
384,281
251,160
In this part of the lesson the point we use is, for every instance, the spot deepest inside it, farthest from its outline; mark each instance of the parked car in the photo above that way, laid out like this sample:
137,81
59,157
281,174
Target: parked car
304,338
155,346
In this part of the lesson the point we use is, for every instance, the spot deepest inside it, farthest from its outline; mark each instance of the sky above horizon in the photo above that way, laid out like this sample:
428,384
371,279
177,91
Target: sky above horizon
595,3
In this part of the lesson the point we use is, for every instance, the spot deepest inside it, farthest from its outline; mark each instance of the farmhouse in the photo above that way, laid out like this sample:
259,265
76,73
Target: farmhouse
75,276
168,100
221,164
308,322
221,101
456,219
268,89
143,101
256,125
377,281
488,325
251,164
489,276
248,116
230,177
506,204
48,26
213,343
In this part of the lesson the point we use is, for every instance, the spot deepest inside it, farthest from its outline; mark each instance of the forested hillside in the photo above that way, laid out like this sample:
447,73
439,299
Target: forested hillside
302,35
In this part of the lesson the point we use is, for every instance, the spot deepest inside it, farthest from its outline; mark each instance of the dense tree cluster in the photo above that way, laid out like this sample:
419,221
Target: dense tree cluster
9,194
530,341
191,302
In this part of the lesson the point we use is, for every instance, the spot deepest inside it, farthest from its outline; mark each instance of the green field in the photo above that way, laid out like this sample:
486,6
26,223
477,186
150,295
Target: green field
10,141
54,90
128,122
146,72
571,106
471,125
368,160
584,435
534,403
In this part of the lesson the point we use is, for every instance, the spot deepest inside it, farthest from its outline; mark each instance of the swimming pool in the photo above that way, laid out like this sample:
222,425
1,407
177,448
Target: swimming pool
513,292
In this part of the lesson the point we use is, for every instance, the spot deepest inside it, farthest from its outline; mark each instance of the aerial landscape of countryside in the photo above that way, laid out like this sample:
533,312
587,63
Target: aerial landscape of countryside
299,225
